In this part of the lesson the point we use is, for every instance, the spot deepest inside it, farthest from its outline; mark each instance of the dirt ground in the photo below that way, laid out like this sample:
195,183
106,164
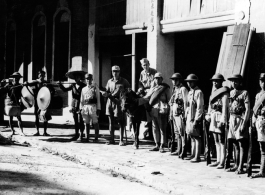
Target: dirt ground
25,170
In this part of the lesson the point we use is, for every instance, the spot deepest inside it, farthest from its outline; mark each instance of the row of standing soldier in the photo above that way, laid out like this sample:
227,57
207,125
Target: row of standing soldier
228,113
228,116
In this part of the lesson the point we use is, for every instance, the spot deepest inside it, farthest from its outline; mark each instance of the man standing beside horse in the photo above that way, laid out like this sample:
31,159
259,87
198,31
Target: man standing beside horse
113,107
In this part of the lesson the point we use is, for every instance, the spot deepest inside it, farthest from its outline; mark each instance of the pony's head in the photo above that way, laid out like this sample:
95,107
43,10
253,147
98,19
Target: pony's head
128,100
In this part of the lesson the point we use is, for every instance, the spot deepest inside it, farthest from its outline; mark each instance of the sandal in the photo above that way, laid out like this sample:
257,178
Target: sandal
214,164
239,172
36,134
220,166
154,149
257,175
46,134
233,169
161,150
110,143
122,143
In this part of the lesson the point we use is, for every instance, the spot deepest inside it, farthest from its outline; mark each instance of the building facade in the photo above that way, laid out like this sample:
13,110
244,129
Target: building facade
186,36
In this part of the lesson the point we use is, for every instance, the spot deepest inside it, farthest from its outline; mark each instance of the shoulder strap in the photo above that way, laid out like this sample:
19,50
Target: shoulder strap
217,93
259,103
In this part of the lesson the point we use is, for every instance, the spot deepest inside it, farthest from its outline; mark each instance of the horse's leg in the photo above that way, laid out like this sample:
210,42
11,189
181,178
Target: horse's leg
134,130
138,124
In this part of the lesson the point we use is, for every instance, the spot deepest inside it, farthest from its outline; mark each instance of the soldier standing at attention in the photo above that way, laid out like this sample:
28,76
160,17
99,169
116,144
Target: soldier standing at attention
178,105
90,105
194,114
113,107
239,108
218,117
258,121
76,89
146,81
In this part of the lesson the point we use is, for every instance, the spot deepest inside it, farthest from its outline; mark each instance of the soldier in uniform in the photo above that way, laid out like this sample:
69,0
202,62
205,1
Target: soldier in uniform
218,117
159,97
258,121
113,107
90,105
178,104
239,108
13,91
76,89
146,81
37,84
193,117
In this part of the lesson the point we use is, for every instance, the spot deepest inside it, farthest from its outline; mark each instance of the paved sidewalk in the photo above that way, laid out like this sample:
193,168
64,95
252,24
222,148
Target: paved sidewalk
159,170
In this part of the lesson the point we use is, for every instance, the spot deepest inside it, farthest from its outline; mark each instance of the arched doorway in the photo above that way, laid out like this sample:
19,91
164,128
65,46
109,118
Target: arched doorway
38,45
61,44
10,48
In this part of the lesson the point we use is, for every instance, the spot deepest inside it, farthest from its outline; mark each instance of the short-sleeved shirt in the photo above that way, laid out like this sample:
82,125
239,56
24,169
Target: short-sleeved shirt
114,87
195,104
146,78
238,99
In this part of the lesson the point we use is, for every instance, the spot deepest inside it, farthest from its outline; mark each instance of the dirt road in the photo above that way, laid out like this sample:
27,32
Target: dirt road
29,171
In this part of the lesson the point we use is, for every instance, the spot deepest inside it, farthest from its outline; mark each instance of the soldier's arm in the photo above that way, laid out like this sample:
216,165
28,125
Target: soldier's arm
98,99
65,89
82,99
247,112
224,116
200,104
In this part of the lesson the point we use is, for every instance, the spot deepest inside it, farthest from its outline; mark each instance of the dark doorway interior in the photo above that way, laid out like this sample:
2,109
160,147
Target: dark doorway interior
61,46
38,50
10,48
140,52
197,52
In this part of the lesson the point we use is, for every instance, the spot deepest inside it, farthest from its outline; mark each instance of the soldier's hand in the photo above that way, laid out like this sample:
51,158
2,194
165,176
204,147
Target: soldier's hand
25,83
58,82
105,94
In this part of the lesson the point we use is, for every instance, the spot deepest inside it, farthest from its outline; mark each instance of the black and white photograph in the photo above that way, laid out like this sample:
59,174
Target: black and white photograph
132,97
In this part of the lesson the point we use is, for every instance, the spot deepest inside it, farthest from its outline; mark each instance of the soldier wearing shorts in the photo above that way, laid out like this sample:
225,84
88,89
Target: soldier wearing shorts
90,105
239,109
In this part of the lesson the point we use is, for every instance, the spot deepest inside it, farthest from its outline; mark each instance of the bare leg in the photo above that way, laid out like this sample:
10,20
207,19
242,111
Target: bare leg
37,123
87,131
45,125
11,125
121,123
19,122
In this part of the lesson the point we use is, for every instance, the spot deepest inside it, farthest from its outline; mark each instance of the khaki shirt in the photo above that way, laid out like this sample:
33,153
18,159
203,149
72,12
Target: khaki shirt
87,93
195,105
146,78
115,87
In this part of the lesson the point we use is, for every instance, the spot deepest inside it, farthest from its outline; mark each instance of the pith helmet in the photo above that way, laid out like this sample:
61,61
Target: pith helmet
15,75
176,76
235,77
158,75
262,76
192,77
217,77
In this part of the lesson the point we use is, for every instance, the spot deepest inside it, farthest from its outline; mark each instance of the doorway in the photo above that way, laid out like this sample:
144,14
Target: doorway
197,52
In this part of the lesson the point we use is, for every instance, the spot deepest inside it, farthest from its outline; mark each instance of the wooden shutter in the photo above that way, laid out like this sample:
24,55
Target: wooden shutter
233,50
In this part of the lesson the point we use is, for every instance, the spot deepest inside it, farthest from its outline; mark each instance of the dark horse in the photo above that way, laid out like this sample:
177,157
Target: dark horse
129,104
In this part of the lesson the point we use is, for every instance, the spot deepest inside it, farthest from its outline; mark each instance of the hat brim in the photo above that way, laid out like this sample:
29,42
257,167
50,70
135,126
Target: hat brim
72,74
174,78
217,79
191,79
15,76
234,78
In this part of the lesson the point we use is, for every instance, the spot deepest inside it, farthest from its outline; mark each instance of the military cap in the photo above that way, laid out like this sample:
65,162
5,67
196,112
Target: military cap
144,61
217,76
115,68
88,76
192,77
262,76
235,77
176,76
158,75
